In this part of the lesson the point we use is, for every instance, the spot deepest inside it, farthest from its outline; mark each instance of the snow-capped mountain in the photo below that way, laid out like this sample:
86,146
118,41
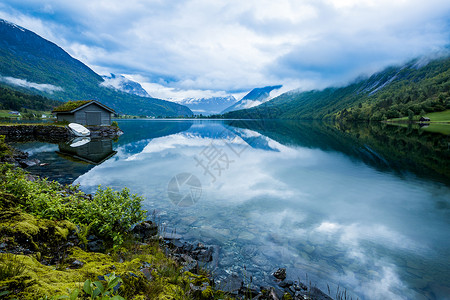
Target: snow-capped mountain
208,106
124,84
253,98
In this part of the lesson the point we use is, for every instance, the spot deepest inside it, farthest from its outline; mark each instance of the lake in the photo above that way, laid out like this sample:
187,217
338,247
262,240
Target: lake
365,208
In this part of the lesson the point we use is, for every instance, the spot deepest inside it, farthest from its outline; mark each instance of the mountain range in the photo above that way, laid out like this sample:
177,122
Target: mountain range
31,63
208,106
221,105
254,98
420,86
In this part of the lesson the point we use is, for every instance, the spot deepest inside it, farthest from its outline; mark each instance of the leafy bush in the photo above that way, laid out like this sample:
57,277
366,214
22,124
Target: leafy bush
115,124
109,214
96,290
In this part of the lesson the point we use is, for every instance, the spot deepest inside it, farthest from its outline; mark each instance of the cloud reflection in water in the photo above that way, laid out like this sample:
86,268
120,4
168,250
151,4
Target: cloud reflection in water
314,211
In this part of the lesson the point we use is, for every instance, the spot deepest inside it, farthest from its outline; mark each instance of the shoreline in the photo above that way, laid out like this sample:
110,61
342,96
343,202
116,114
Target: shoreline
192,258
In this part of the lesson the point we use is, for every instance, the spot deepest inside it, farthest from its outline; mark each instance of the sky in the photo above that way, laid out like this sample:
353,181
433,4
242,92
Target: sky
204,48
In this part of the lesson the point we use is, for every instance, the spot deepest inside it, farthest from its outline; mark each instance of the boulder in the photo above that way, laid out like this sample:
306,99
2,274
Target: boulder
280,274
232,284
145,230
76,264
286,284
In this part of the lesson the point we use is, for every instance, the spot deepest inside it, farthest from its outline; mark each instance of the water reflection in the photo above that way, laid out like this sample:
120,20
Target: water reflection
385,147
66,161
90,151
366,208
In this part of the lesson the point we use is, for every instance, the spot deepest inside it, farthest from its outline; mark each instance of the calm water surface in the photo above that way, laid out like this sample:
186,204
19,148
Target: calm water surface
364,208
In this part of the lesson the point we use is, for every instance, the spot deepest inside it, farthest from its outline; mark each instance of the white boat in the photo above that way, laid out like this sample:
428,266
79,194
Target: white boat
79,141
78,129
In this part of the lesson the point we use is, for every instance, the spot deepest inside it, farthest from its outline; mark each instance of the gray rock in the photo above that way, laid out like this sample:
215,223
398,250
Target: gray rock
177,244
171,236
29,163
147,273
204,255
145,230
76,264
232,284
191,267
96,246
318,294
280,274
286,284
197,290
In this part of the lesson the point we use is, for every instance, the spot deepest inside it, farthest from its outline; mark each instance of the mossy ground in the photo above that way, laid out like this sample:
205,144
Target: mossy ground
41,258
40,281
21,229
70,105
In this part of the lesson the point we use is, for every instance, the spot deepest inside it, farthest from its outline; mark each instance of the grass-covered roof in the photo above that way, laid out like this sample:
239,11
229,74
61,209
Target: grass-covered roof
71,105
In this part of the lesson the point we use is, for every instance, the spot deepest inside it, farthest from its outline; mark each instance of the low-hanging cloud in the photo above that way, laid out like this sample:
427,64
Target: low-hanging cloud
43,87
234,46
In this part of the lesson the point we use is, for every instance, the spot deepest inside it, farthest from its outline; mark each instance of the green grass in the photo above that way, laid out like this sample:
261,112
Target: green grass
4,114
442,116
70,105
416,118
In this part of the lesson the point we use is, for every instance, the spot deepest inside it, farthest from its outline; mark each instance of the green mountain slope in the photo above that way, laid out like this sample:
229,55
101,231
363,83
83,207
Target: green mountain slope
52,72
11,99
413,89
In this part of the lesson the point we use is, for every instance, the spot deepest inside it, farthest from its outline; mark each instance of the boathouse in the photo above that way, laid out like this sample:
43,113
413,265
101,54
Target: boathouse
89,112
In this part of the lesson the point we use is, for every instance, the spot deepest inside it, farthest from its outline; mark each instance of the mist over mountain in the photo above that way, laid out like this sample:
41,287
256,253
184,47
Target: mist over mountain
124,84
31,63
414,88
254,98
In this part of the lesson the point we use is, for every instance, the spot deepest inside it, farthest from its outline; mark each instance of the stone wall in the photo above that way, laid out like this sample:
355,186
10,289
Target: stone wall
51,133
45,133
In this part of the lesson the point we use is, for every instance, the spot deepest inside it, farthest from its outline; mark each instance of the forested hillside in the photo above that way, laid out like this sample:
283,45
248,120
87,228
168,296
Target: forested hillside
419,87
14,100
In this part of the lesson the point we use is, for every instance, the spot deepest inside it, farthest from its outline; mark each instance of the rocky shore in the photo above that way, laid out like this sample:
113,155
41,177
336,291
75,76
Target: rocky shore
192,258
195,256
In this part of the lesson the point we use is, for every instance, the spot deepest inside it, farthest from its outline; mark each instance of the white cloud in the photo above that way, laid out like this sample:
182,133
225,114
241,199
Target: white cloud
174,94
50,88
234,46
